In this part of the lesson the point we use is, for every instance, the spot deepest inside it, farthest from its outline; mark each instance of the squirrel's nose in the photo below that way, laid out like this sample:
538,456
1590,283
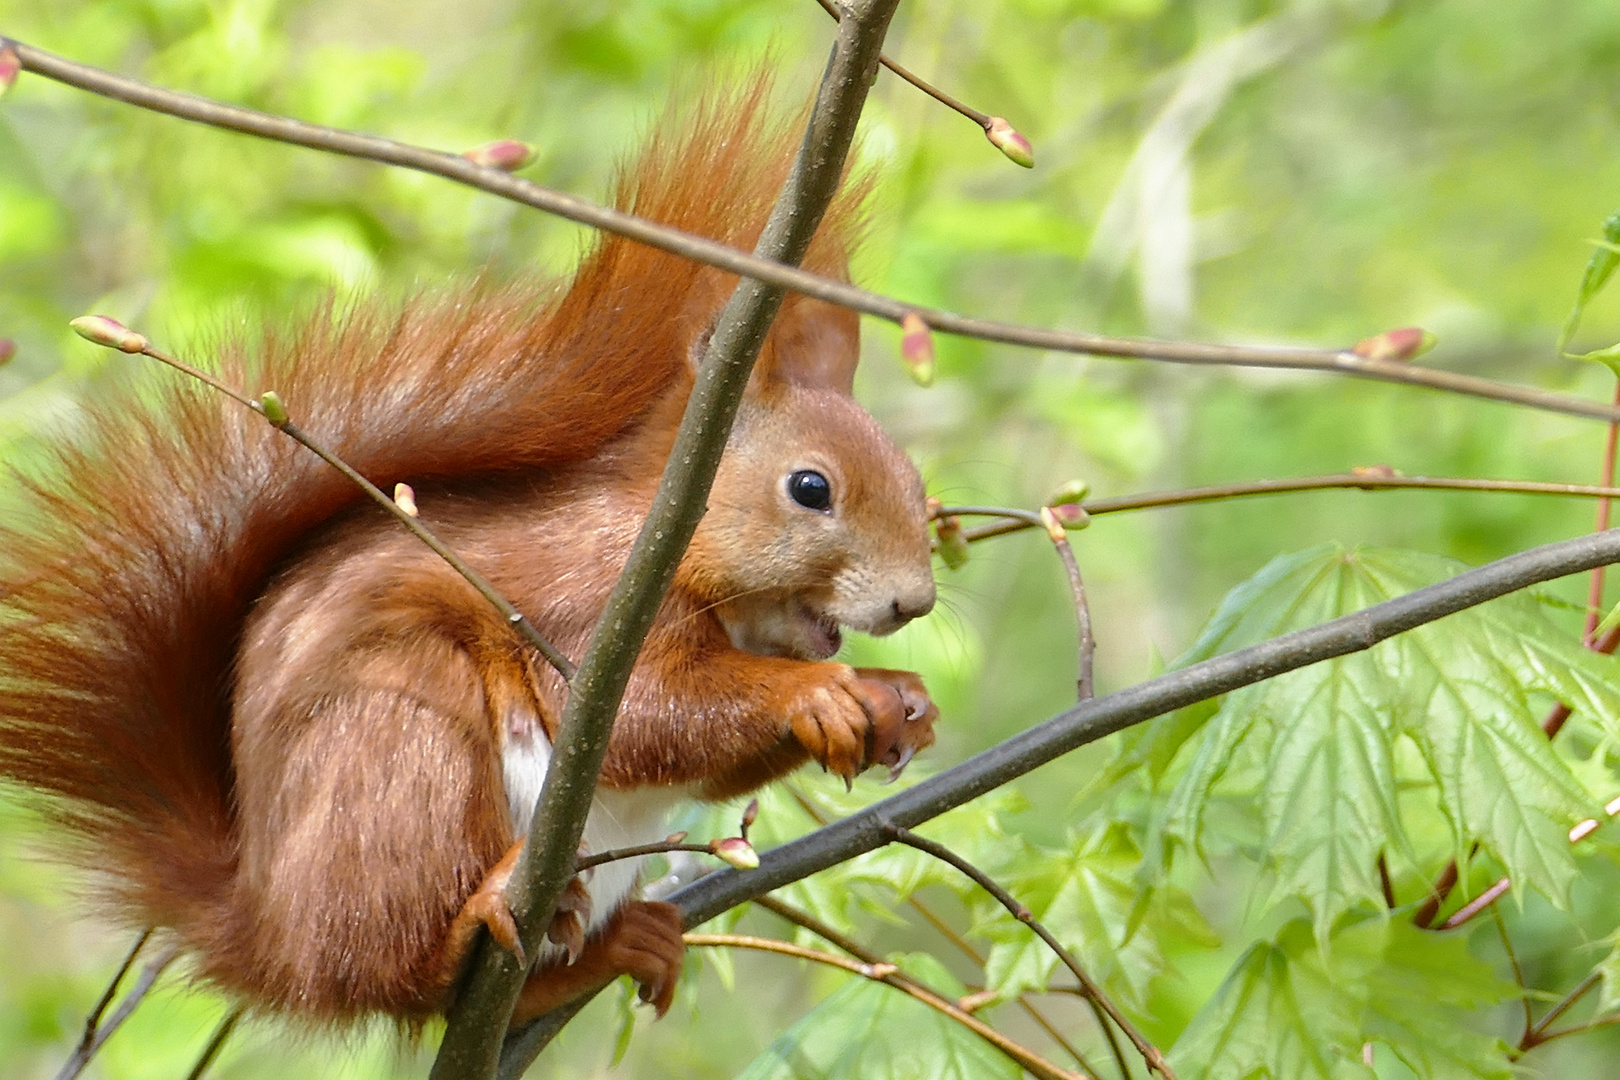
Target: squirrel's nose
913,605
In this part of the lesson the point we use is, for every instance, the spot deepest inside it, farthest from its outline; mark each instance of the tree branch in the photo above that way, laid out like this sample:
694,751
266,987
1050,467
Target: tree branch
760,266
482,1010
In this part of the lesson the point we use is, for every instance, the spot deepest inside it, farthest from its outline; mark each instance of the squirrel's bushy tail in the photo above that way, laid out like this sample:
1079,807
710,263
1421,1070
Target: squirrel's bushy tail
127,563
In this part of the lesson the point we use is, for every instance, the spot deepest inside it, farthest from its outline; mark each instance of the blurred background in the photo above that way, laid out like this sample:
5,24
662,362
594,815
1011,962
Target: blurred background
1227,170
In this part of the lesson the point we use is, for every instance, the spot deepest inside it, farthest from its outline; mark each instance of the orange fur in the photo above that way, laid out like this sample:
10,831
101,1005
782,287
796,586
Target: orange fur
275,723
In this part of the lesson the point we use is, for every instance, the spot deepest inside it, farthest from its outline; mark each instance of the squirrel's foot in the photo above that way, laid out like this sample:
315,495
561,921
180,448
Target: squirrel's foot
642,940
864,717
487,908
572,917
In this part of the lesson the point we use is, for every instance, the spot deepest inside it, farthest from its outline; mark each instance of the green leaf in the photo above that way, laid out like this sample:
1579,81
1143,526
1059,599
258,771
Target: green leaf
1090,898
1315,749
1290,1010
1605,257
866,1029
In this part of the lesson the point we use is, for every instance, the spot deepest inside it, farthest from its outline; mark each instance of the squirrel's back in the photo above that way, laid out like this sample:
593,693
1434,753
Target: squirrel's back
129,562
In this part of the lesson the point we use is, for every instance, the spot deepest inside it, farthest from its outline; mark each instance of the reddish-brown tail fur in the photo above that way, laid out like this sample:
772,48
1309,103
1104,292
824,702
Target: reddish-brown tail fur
127,565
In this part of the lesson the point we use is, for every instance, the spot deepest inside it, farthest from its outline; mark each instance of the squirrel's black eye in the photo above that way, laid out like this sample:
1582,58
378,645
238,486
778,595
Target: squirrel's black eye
810,489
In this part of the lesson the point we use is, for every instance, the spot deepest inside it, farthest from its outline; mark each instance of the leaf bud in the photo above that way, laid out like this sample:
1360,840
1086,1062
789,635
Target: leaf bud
1072,515
274,409
507,155
405,498
1407,343
917,348
109,333
750,815
735,851
675,837
1071,491
10,66
953,546
1006,138
8,349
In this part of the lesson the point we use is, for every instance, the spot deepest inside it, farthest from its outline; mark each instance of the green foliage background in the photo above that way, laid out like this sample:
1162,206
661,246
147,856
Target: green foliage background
1239,170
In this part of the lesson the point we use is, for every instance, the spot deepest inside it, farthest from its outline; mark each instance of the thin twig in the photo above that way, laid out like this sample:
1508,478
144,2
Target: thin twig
513,616
143,985
1536,1035
1150,1053
1594,596
1513,962
636,852
1019,519
215,1043
809,922
775,272
982,119
1478,904
950,934
887,973
1086,646
94,1018
856,949
1385,883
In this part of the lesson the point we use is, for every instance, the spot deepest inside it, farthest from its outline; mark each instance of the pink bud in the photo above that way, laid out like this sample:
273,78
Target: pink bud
917,348
750,814
405,498
1004,137
735,851
8,349
507,155
1407,343
10,65
1071,515
109,333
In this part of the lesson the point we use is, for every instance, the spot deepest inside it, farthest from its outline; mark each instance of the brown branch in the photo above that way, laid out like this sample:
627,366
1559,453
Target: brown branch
1150,1053
92,1020
1086,646
1478,904
1535,1035
137,993
764,269
889,975
809,922
1020,520
215,1043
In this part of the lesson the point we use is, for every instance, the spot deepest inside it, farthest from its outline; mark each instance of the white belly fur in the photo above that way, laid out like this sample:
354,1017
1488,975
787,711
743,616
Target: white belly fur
617,818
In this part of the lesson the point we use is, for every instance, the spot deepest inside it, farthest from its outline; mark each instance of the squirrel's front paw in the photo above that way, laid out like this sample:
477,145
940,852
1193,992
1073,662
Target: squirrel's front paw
864,717
897,733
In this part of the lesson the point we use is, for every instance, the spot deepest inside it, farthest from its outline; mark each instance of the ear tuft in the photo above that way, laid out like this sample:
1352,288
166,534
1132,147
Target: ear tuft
813,344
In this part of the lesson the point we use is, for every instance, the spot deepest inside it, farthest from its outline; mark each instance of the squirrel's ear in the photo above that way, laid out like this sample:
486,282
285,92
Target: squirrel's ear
813,344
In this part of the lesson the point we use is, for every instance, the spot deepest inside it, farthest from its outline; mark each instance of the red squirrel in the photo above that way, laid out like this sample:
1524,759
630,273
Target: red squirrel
283,732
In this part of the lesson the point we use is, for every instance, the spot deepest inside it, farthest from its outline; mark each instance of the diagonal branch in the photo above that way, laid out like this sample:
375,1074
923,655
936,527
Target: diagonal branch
482,1010
761,266
1092,720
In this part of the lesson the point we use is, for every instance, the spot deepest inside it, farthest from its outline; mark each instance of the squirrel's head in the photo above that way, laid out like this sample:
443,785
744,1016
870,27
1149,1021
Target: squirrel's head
817,520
